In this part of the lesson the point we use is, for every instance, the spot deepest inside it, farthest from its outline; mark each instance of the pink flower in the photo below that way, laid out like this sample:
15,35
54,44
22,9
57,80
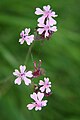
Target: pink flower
46,29
22,75
46,13
25,37
39,103
45,86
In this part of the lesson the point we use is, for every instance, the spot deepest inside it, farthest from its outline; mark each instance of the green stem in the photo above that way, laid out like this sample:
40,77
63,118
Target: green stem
28,53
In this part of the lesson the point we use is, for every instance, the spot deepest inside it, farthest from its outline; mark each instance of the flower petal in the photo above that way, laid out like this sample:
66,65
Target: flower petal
48,90
42,89
46,80
22,68
31,106
54,28
44,103
46,8
53,14
37,108
41,19
41,25
38,11
26,80
16,73
29,74
52,21
22,33
29,39
27,30
46,34
34,96
40,30
48,23
17,81
40,96
21,40
41,82
49,83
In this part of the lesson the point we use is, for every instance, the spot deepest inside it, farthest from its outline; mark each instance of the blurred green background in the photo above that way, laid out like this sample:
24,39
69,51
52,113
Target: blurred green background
60,56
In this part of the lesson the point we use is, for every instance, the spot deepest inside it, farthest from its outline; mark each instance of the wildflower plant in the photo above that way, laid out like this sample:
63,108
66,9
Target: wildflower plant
45,28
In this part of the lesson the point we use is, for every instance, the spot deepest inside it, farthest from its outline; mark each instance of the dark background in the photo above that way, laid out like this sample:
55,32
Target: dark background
60,56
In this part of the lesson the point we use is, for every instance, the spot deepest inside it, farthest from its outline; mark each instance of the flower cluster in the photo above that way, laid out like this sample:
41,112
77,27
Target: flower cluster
42,89
46,26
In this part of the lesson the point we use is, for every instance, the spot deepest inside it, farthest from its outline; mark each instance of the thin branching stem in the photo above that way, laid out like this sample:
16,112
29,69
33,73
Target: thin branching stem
28,54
